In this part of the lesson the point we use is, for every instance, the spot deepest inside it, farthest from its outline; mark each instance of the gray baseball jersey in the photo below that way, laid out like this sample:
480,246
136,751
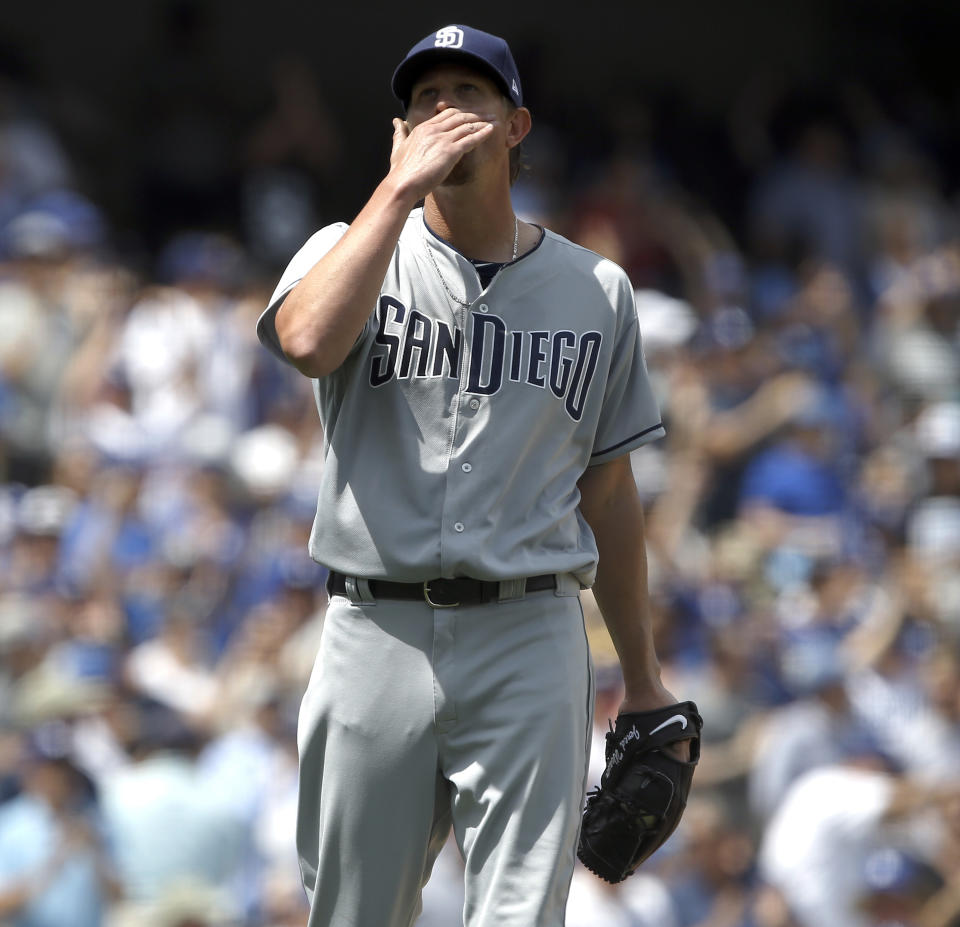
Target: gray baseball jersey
454,436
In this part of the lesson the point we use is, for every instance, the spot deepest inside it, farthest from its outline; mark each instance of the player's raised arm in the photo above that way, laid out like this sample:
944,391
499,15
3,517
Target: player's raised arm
322,316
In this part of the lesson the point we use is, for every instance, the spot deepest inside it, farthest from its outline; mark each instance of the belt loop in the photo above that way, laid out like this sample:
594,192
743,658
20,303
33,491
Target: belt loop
567,584
358,591
366,595
512,589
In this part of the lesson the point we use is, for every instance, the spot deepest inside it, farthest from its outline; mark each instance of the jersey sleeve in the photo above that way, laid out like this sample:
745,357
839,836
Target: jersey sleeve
630,416
312,251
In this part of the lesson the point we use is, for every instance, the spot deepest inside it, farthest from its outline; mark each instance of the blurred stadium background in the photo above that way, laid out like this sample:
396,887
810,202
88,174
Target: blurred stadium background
781,183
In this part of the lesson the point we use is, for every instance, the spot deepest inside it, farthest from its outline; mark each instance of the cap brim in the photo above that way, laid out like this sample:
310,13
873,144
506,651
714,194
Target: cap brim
411,68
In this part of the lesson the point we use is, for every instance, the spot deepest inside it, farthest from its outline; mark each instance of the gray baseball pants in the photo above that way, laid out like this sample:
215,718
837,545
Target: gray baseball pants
417,720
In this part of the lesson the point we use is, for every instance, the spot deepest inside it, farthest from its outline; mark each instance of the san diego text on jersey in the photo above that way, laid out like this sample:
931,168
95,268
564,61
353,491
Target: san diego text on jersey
409,343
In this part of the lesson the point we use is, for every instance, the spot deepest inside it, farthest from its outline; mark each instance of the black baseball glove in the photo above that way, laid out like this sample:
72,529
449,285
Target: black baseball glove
642,792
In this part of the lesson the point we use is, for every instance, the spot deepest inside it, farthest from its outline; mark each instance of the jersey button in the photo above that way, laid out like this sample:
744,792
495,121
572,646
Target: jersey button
467,467
474,403
484,307
458,527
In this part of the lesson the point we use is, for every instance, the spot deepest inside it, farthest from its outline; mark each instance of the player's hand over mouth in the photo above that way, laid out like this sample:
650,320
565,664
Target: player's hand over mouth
424,155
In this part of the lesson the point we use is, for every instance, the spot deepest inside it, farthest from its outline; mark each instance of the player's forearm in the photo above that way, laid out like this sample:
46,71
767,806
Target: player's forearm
320,319
612,508
620,591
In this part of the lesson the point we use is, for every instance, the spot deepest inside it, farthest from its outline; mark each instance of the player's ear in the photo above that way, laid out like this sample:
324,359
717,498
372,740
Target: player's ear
518,126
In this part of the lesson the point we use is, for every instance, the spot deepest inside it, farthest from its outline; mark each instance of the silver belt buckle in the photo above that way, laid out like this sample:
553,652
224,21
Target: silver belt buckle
430,602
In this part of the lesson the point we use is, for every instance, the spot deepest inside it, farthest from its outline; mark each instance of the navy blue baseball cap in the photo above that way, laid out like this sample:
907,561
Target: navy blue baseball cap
489,53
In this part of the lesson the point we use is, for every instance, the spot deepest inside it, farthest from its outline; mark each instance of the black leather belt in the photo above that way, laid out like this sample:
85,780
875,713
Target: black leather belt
441,593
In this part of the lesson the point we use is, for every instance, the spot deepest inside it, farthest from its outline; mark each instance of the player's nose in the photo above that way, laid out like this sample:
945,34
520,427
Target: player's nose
444,100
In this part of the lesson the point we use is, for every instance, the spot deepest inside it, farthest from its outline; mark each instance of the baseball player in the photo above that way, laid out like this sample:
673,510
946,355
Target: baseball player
480,382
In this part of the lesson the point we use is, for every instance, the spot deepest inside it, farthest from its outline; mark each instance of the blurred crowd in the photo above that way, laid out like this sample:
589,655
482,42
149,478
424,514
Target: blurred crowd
158,470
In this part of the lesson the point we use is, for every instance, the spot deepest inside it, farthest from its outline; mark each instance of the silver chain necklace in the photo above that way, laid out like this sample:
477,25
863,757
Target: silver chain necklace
436,267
